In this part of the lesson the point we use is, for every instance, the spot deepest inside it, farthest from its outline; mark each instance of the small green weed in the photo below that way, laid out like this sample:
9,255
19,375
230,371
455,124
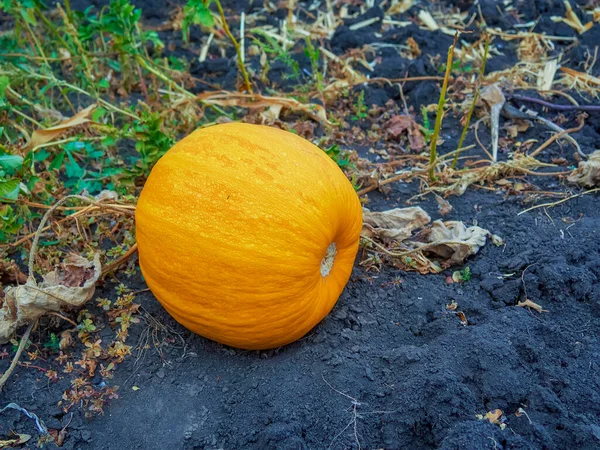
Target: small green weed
339,157
360,109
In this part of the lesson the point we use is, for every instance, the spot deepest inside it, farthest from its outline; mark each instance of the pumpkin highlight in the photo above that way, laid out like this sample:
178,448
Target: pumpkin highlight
247,234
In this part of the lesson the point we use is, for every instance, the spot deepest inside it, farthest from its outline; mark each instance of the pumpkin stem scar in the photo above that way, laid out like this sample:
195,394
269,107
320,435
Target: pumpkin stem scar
328,259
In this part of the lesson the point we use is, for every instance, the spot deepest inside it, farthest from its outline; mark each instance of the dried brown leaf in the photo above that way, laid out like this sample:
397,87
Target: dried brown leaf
466,241
588,172
70,285
40,137
402,124
253,101
395,224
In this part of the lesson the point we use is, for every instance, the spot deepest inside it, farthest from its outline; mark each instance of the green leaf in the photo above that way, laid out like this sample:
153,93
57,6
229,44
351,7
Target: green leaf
73,169
29,16
57,162
98,112
9,189
41,155
204,17
11,161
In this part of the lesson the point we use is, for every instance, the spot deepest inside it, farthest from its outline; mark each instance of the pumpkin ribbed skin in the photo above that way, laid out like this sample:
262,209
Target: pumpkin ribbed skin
233,225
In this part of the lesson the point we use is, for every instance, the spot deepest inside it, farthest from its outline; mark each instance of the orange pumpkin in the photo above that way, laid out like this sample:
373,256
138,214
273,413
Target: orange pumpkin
247,234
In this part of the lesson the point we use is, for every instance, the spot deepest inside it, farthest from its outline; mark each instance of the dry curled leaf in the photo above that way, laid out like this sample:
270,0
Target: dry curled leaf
40,137
393,225
70,285
435,247
465,241
529,304
274,104
588,172
401,124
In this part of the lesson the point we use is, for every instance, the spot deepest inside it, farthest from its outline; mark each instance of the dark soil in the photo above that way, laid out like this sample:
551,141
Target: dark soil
390,367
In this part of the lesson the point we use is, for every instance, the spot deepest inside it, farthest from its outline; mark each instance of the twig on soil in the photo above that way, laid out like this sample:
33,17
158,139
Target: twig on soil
543,205
393,179
586,108
557,136
479,141
63,318
15,360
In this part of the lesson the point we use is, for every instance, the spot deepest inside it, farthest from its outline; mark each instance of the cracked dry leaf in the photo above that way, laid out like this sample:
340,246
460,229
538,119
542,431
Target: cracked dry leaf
394,224
70,285
529,304
46,135
466,241
588,172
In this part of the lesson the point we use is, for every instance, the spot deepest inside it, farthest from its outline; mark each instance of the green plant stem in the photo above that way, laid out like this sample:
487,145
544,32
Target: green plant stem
236,44
440,112
163,77
52,28
69,10
475,98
